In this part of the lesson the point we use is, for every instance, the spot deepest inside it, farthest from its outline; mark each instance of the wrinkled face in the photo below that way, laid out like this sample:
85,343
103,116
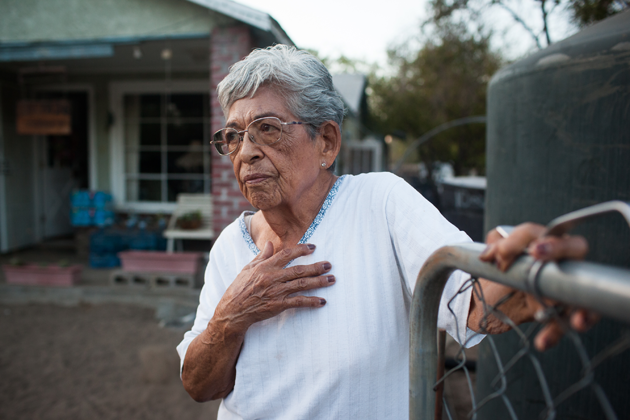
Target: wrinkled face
276,175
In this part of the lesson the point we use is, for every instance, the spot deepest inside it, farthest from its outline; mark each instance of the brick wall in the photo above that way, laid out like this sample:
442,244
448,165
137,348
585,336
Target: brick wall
227,46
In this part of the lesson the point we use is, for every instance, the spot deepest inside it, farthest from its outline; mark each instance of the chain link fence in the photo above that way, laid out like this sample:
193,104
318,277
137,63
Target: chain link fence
525,353
603,289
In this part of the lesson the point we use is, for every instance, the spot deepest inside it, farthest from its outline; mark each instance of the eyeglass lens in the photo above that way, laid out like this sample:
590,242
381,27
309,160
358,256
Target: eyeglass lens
265,131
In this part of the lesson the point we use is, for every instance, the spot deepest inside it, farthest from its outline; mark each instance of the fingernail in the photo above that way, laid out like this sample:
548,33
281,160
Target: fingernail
485,252
311,246
327,266
331,279
543,249
322,302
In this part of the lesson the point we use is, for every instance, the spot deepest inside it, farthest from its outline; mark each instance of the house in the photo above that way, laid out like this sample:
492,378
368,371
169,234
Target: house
116,95
361,151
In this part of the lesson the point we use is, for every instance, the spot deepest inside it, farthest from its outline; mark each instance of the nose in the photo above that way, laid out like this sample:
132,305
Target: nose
249,150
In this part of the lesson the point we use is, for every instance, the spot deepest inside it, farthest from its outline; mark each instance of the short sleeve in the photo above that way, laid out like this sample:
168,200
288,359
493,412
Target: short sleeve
417,229
211,293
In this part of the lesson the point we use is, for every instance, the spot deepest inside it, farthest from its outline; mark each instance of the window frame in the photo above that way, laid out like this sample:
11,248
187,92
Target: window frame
118,176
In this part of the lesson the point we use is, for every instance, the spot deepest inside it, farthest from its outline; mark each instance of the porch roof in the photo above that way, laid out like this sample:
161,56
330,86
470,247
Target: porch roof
264,28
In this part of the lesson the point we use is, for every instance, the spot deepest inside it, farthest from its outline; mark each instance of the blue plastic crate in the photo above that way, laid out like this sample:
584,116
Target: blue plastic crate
82,217
103,241
143,240
103,217
104,260
81,198
101,200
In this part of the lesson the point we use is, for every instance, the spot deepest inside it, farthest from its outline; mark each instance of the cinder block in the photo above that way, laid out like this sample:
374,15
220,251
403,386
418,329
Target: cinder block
174,281
139,279
129,279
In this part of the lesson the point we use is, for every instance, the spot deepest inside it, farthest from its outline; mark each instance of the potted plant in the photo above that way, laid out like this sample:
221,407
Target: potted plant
60,274
190,221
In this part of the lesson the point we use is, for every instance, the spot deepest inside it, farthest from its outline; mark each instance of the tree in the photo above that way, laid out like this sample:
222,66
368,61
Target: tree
444,80
586,12
583,12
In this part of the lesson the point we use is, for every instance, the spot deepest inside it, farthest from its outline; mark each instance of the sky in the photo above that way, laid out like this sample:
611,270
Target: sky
364,29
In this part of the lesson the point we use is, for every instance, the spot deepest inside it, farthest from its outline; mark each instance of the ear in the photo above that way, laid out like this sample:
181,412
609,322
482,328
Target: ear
330,141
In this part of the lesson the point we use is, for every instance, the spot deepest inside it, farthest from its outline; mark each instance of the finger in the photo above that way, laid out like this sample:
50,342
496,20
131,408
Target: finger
263,255
514,245
299,271
491,239
582,320
304,302
549,336
285,256
308,283
553,248
489,253
493,236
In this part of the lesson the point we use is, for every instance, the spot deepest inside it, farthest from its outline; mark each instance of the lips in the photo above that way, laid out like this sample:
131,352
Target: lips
252,179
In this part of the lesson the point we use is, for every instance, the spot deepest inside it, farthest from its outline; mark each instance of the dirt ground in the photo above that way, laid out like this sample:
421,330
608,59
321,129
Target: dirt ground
109,361
91,362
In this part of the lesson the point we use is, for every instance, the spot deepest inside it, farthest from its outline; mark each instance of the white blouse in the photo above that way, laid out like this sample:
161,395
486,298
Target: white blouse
350,358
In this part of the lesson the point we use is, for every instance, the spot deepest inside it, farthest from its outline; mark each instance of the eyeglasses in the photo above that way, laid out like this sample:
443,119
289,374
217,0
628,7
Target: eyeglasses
263,131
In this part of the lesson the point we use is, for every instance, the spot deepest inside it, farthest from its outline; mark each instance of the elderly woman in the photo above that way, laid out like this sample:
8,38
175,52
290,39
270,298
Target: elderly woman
305,309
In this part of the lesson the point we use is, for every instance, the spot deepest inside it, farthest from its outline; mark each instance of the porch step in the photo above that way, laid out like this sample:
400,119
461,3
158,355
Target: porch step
156,280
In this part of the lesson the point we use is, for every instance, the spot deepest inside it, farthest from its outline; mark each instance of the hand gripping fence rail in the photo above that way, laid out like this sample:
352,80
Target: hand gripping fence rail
600,288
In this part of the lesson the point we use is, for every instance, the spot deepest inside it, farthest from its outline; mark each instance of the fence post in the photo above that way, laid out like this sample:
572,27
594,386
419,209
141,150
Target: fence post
423,352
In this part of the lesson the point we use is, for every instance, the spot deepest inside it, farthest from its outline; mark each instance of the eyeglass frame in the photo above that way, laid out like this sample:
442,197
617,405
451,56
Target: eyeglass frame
241,134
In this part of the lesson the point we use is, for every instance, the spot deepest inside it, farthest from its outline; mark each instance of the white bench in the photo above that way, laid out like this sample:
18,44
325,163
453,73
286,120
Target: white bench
187,203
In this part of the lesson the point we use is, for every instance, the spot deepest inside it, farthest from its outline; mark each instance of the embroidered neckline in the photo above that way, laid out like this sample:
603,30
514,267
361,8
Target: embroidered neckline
311,229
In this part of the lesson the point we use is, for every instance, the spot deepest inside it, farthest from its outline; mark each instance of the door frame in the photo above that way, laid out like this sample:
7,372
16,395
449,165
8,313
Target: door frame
38,152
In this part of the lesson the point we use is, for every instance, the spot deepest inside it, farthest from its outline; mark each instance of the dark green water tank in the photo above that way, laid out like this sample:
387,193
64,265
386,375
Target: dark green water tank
558,138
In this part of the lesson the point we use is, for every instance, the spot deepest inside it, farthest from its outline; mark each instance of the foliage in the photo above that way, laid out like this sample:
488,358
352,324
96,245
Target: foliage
344,64
586,12
190,220
446,79
190,216
583,12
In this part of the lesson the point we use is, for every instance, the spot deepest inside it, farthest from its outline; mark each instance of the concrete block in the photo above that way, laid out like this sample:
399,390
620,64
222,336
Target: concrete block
140,279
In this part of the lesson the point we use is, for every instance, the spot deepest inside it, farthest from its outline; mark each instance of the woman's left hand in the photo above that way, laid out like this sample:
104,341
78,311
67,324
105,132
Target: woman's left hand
522,307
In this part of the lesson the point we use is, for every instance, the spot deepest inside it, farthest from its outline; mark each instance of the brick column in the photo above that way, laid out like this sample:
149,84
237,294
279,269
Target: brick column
227,46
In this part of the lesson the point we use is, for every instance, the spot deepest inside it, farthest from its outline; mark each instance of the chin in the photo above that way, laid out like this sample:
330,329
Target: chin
262,200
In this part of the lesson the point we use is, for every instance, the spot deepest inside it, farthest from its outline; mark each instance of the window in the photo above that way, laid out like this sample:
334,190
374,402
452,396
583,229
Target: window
166,145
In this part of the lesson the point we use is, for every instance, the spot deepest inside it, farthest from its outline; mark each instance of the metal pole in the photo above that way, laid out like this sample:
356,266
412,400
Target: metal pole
439,391
601,288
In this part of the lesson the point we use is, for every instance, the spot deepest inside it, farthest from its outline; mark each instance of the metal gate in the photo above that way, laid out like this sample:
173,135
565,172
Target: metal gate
603,289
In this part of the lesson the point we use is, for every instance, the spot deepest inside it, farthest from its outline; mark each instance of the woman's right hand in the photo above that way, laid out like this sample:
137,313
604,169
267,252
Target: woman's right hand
265,288
262,290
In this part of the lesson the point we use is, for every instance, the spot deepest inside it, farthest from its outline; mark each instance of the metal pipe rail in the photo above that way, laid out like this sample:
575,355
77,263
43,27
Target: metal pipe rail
598,287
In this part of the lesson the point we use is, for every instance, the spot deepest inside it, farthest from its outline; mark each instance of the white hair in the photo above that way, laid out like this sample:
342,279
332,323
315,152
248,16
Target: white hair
303,81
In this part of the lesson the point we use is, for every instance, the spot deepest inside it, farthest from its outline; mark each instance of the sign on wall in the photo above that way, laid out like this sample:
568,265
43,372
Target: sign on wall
44,117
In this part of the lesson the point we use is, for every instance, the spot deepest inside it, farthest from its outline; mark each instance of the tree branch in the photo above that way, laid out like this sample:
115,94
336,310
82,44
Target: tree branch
518,19
544,16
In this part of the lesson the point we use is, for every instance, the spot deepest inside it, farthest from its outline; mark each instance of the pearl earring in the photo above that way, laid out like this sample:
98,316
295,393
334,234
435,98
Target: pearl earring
323,164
